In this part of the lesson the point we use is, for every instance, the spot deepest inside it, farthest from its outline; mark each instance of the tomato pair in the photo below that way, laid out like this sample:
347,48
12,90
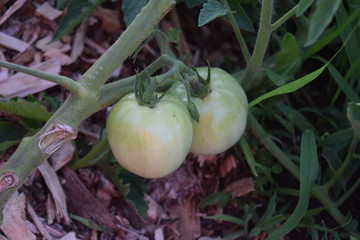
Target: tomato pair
153,142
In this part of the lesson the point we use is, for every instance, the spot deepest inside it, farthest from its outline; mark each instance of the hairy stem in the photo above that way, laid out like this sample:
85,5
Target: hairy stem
262,41
237,32
126,44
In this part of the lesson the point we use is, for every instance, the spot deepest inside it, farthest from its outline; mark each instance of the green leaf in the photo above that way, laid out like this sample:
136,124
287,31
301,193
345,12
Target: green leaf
283,74
173,35
194,3
268,224
324,13
241,18
77,10
267,221
336,137
290,87
343,84
288,50
352,43
10,134
353,115
302,6
227,218
131,8
23,108
309,166
216,198
132,187
211,10
136,192
60,4
10,131
323,42
88,223
294,116
6,145
249,156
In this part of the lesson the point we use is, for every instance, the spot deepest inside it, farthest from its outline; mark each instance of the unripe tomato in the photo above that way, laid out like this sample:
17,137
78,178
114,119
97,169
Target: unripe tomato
150,142
223,113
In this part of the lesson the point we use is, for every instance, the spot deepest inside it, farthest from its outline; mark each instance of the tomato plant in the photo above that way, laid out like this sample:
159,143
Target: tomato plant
222,113
150,142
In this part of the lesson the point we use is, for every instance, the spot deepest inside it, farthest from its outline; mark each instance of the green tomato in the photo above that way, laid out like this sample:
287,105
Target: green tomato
150,142
223,113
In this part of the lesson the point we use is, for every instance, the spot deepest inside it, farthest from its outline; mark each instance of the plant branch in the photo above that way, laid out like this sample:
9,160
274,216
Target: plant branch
112,92
262,41
283,19
68,83
348,193
237,32
76,108
136,33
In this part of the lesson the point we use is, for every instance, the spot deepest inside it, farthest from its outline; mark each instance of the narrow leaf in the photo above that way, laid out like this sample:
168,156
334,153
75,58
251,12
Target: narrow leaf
23,108
302,6
324,13
296,117
227,218
88,223
343,84
216,198
318,45
211,10
131,8
288,50
352,46
308,172
290,87
77,10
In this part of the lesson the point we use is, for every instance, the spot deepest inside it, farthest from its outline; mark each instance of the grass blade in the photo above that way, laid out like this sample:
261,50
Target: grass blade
290,87
308,173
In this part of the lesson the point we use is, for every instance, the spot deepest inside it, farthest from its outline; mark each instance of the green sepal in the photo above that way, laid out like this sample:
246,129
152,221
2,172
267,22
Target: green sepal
194,113
144,90
200,87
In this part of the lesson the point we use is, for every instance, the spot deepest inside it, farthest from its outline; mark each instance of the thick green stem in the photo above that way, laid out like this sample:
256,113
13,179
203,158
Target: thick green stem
71,85
237,32
317,191
76,108
262,41
136,33
344,165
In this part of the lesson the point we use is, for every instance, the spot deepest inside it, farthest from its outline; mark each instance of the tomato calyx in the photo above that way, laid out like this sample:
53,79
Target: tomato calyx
195,86
144,90
200,87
